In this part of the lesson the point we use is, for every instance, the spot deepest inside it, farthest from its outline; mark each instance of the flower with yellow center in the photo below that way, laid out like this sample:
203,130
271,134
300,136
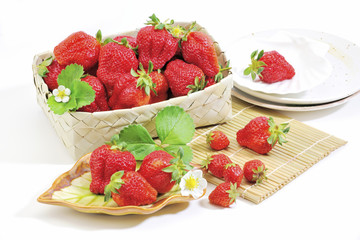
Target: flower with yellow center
62,94
193,183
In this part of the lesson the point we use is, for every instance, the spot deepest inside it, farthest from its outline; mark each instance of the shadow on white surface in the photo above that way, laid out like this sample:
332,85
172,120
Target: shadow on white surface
68,218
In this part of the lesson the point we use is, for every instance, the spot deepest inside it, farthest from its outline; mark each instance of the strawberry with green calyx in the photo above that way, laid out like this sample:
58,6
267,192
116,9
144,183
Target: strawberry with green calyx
127,94
255,171
115,59
49,70
184,78
224,194
144,80
72,93
152,80
152,170
105,161
261,134
130,189
233,173
178,167
270,66
80,48
216,164
218,77
217,140
155,43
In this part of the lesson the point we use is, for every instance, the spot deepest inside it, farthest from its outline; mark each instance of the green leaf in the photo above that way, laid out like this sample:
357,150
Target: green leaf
83,93
60,107
72,72
135,134
174,126
138,141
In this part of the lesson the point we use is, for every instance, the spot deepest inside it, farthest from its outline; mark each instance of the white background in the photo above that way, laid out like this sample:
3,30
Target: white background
322,203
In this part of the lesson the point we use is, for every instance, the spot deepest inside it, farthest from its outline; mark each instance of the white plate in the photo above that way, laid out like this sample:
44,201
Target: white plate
306,55
288,107
344,80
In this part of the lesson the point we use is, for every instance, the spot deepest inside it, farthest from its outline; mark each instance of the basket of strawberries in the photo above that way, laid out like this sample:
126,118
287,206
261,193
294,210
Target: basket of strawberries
90,88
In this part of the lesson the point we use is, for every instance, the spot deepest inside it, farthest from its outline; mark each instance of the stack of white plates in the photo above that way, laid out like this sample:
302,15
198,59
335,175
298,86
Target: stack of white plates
327,70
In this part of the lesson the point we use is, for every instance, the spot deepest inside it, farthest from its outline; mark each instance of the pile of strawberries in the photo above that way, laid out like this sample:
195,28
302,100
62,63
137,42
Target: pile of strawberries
160,62
114,174
260,135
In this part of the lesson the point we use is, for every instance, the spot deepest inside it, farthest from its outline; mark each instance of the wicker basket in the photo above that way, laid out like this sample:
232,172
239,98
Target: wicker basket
82,132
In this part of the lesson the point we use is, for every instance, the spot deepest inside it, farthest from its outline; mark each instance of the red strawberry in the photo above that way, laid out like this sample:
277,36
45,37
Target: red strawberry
49,70
131,40
216,164
115,59
184,78
217,140
156,44
130,189
100,103
80,48
152,170
233,173
104,161
261,134
128,93
161,89
255,171
270,66
224,194
198,48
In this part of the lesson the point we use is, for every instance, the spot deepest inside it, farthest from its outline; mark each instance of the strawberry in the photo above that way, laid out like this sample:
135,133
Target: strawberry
130,189
198,48
270,66
80,48
255,171
131,40
224,194
115,59
130,91
216,164
155,43
104,162
217,140
261,134
161,88
49,70
233,173
184,78
152,170
100,103
155,81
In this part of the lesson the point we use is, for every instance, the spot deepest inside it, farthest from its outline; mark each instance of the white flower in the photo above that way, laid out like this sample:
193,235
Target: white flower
193,184
62,94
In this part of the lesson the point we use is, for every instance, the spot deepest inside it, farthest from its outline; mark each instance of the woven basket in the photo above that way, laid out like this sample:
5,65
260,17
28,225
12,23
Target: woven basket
82,132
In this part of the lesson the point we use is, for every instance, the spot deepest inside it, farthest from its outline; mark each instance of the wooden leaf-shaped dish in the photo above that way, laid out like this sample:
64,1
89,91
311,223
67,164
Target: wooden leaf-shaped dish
71,189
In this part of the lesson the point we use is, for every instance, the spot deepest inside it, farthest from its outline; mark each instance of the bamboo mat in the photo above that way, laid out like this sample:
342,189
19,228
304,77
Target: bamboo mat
305,147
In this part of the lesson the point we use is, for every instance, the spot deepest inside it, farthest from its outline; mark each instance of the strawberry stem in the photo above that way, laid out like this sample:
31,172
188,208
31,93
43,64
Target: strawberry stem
256,66
115,183
277,132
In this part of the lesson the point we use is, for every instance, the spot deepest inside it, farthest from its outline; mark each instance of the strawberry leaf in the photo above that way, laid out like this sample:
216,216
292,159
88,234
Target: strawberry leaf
187,154
82,93
60,108
174,126
71,73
